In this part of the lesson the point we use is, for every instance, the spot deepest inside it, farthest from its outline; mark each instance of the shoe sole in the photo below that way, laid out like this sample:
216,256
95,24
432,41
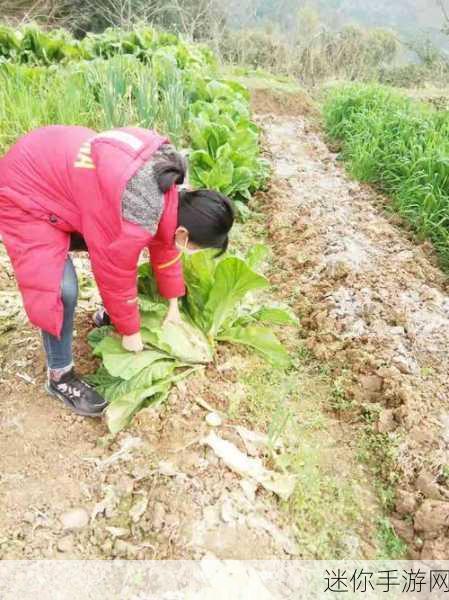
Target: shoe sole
80,413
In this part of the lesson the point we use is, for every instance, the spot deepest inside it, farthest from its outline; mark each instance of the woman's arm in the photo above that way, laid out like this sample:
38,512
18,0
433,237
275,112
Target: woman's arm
173,315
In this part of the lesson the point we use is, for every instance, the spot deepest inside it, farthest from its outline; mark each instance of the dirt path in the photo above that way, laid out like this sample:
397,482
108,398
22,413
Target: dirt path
373,305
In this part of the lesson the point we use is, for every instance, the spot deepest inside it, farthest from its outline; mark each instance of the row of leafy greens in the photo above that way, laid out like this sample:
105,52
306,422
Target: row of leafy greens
31,45
144,77
220,306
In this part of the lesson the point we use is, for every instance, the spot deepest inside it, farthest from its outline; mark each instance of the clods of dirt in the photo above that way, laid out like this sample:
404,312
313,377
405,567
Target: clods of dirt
268,100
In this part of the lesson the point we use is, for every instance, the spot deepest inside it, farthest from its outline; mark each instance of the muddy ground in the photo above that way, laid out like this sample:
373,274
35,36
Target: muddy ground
374,311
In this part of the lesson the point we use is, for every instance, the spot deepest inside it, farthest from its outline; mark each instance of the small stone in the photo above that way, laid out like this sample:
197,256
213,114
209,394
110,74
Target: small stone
432,518
29,517
166,468
66,544
352,546
390,372
426,484
406,502
371,383
213,419
75,519
158,516
118,532
227,511
386,422
405,366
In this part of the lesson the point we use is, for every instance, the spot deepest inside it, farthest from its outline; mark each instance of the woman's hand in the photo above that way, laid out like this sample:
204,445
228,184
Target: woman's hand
133,343
173,315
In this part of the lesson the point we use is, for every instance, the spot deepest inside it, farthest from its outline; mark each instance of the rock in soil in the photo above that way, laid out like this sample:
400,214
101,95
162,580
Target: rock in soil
432,518
435,549
75,519
158,516
66,544
386,423
372,384
406,502
427,485
213,419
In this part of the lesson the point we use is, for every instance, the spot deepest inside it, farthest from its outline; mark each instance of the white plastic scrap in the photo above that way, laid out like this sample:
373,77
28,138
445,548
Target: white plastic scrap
282,485
124,453
254,440
138,509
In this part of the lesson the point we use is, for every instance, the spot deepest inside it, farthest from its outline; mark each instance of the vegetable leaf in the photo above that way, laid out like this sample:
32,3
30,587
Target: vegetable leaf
260,339
233,280
120,412
277,316
121,363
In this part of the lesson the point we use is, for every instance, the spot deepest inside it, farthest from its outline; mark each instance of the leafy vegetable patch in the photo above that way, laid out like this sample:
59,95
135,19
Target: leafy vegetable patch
221,306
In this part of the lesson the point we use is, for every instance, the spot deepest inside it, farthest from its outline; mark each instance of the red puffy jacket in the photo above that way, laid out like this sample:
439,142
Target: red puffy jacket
59,180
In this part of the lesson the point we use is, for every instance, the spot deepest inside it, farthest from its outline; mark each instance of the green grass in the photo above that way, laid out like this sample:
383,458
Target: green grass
390,546
259,79
331,504
400,145
101,94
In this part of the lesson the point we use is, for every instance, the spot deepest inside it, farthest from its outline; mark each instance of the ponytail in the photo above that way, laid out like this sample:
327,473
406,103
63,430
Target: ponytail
170,168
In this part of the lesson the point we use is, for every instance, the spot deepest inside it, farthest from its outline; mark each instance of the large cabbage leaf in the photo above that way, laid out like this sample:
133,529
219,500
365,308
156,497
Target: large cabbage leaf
262,340
232,282
120,363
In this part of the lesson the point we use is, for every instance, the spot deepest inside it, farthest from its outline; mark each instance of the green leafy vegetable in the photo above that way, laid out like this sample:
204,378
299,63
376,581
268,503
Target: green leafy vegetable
215,309
120,412
277,316
120,363
262,340
233,280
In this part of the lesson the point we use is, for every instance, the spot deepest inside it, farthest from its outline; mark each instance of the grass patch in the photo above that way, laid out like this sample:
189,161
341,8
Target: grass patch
331,505
390,546
400,145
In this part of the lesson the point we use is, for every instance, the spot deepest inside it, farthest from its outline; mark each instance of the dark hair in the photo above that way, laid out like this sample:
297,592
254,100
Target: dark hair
169,168
208,216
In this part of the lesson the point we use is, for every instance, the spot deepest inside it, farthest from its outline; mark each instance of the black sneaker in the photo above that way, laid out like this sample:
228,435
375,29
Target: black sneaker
101,318
77,395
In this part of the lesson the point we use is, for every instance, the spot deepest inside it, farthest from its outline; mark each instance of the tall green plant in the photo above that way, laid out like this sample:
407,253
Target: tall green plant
403,147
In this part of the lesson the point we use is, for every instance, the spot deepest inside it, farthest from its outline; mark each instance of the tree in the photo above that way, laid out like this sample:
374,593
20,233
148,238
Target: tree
308,24
444,7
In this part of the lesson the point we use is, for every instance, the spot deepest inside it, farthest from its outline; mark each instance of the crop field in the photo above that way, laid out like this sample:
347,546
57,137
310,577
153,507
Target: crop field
400,145
299,409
